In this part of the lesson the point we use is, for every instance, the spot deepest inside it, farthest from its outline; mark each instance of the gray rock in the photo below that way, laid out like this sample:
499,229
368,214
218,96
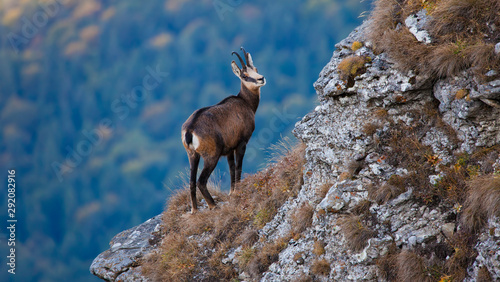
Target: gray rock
121,261
416,23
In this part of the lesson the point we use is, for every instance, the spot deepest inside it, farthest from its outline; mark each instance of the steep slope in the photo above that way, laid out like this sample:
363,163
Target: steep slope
400,180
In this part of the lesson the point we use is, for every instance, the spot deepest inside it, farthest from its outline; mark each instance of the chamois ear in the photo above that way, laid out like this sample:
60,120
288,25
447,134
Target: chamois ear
236,69
250,61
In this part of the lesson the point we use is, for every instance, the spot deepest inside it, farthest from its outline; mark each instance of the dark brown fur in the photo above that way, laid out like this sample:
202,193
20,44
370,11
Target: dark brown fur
223,129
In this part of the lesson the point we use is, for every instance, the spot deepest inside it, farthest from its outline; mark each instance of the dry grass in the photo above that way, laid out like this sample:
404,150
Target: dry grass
319,248
355,231
264,257
483,201
302,218
362,208
483,275
384,193
434,262
370,128
460,29
412,267
320,267
194,245
464,255
386,264
322,190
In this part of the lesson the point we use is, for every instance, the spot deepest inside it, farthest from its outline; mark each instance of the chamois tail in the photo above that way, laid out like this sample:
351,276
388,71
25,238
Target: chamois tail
188,137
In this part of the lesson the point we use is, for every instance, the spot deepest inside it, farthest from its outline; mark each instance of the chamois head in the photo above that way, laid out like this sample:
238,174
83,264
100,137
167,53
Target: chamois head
248,73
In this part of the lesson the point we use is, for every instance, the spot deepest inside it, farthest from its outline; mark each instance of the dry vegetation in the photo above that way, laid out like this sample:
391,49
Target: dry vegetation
319,248
351,67
193,246
301,219
483,201
407,151
356,232
469,180
320,267
463,35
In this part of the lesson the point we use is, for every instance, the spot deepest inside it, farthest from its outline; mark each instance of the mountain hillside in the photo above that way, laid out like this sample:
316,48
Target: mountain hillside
396,175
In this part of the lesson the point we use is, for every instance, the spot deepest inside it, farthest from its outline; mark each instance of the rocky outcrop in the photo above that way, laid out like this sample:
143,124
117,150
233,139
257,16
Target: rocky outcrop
122,262
374,129
337,135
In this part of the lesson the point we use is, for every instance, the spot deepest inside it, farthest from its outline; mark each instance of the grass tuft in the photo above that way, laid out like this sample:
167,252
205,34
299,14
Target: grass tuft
411,267
483,201
319,248
302,218
321,267
355,231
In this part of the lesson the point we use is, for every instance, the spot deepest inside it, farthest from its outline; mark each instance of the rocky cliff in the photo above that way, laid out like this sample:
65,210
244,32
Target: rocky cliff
400,173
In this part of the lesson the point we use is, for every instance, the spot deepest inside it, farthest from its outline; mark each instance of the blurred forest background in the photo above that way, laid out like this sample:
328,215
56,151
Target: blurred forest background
93,94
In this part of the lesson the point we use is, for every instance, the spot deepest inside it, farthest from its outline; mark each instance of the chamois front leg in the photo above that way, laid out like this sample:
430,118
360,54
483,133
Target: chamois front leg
209,165
232,167
194,160
240,153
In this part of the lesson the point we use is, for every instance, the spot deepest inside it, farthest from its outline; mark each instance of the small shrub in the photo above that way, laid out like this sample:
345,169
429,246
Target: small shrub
351,67
321,267
356,233
356,45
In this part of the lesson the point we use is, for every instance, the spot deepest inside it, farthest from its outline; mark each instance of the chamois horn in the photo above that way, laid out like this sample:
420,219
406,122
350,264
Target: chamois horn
246,57
243,65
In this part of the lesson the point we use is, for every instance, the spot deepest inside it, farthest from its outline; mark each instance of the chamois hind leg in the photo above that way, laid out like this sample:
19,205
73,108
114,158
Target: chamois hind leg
230,161
209,165
240,153
194,160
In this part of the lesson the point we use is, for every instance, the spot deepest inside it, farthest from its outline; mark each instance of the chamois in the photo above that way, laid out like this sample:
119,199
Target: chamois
223,129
